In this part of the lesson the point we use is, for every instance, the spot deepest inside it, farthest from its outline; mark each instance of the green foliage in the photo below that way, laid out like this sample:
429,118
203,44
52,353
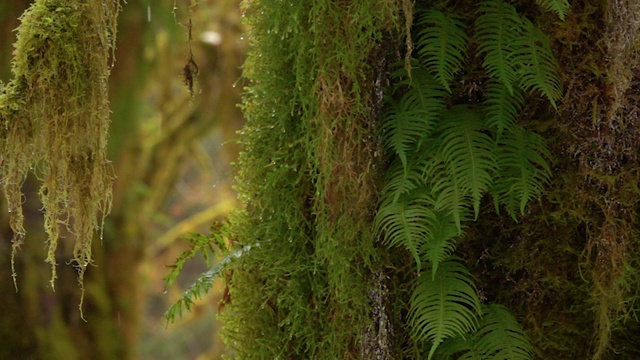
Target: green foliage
560,7
444,306
521,158
499,336
537,68
54,117
442,45
443,165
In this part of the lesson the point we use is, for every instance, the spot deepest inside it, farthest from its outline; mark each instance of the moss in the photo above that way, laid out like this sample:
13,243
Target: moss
308,179
55,116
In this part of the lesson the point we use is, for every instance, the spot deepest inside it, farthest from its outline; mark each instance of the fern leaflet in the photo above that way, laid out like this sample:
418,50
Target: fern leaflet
496,29
414,117
537,70
404,224
500,337
467,153
444,306
441,243
560,7
442,45
502,107
524,170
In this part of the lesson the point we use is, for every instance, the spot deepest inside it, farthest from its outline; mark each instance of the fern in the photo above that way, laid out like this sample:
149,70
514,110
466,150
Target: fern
499,337
203,284
401,180
560,7
404,224
444,306
413,118
205,245
521,160
440,244
497,28
442,45
468,156
537,68
502,107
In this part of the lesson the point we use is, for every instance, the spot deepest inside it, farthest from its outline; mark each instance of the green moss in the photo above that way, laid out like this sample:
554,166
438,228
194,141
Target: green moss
55,117
308,180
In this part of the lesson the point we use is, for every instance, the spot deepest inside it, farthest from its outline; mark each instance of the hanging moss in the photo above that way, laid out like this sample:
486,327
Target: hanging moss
54,117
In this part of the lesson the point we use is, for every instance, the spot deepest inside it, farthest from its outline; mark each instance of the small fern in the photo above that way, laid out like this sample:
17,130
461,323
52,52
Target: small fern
538,70
560,7
497,27
468,156
404,224
208,246
502,107
521,159
444,306
441,244
414,117
499,337
442,45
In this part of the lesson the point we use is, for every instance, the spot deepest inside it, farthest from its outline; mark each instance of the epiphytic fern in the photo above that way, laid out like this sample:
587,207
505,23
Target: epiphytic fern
521,161
499,337
560,7
468,155
445,305
502,107
497,27
442,45
405,223
537,67
413,118
447,155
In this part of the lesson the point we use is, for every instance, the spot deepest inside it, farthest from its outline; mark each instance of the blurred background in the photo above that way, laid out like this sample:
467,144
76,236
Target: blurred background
172,154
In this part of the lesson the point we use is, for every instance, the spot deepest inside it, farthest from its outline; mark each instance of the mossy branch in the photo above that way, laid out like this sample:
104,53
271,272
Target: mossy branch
54,117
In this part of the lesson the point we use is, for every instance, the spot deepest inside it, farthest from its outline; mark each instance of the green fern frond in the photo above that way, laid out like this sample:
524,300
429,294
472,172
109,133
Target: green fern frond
203,284
468,155
537,67
405,224
523,168
452,200
459,348
413,118
502,107
496,29
500,337
444,306
441,242
560,7
442,45
400,180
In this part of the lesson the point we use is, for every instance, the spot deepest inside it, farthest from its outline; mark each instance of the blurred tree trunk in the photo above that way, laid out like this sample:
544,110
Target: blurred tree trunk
155,127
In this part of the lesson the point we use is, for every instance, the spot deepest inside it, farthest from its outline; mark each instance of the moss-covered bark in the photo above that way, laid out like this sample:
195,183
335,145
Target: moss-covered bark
568,268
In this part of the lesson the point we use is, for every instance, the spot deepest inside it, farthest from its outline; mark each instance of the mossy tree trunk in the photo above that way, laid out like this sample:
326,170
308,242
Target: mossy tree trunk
570,267
305,283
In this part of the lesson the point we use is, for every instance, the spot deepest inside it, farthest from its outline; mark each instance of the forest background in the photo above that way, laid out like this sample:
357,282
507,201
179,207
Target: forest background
171,153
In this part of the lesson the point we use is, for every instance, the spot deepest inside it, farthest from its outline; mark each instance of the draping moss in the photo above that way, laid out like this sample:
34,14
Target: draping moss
54,117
